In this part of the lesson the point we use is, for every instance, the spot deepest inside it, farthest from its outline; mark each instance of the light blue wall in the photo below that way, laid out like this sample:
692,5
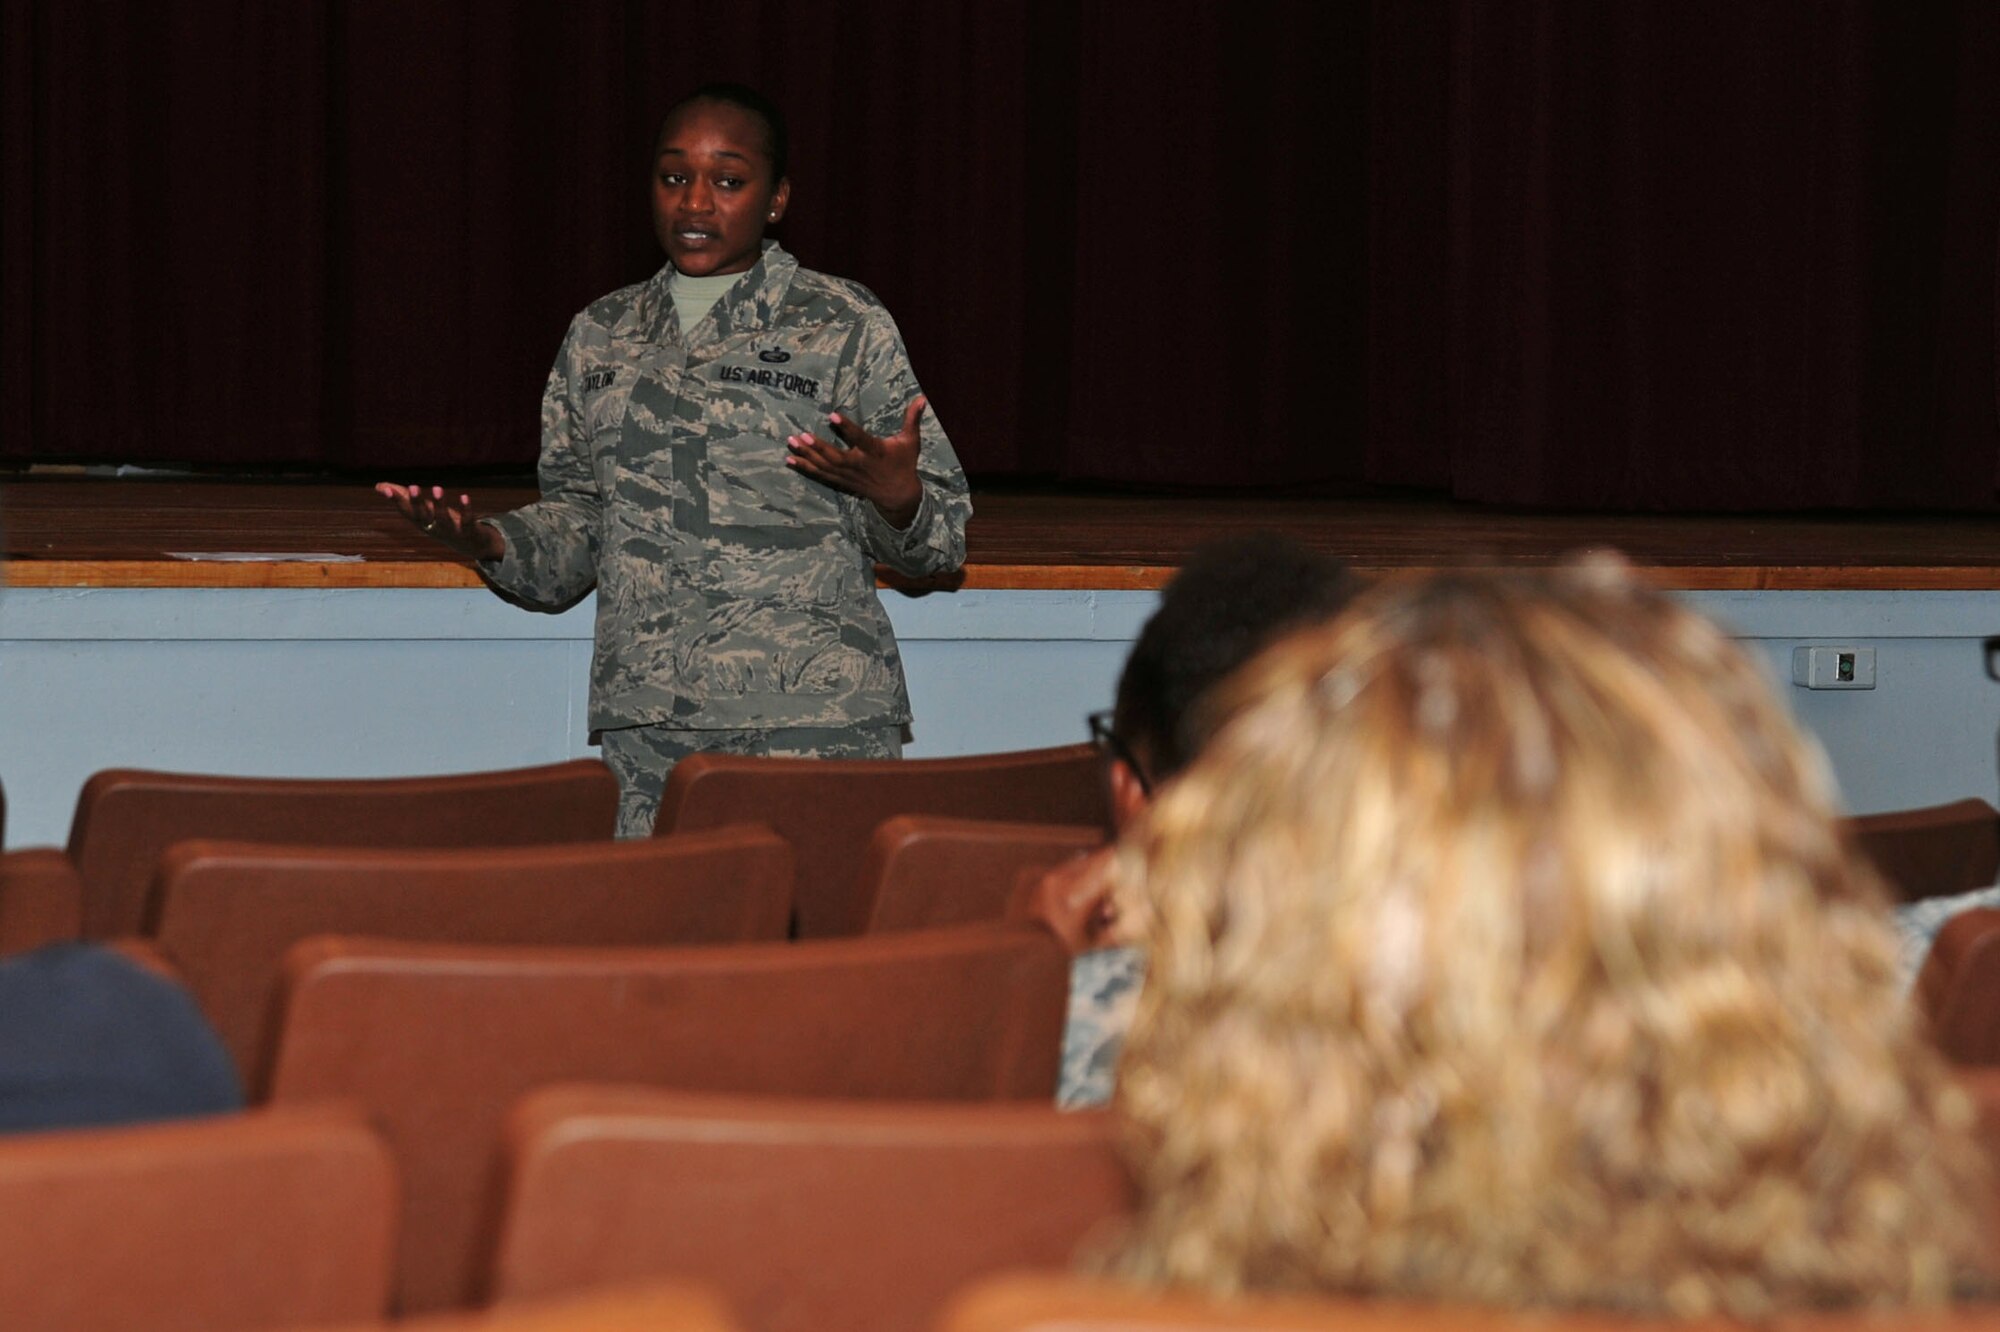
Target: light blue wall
1928,731
374,682
349,683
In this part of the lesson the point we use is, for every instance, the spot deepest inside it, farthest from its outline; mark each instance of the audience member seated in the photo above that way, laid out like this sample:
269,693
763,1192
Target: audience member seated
89,1037
1229,600
1504,949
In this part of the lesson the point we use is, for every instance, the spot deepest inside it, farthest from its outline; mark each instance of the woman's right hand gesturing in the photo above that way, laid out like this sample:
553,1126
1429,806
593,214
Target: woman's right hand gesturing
450,521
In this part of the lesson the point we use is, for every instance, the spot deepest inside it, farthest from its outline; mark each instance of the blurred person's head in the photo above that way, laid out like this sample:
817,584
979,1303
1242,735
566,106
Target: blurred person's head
1504,947
1230,599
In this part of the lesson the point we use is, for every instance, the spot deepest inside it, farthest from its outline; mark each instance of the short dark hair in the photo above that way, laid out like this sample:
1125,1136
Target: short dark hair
1231,599
777,138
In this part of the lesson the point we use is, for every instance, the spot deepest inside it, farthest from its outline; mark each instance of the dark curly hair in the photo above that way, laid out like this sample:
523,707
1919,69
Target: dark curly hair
1230,599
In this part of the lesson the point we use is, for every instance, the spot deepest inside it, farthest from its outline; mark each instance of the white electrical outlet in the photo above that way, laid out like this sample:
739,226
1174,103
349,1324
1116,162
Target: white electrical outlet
1834,667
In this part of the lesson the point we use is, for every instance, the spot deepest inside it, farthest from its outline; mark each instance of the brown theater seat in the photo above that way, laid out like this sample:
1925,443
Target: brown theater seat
1071,1304
126,818
811,1215
673,1307
438,1040
829,808
1934,851
227,911
924,870
1958,988
41,899
260,1220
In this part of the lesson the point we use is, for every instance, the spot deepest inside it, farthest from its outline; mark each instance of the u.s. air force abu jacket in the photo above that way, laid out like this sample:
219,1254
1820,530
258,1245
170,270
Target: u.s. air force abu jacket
732,592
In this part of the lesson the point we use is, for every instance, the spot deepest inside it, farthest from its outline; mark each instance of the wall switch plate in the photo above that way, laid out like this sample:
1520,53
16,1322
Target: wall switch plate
1834,667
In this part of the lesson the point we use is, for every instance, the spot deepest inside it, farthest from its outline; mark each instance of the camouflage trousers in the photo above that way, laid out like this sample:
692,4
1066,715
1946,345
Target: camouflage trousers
642,756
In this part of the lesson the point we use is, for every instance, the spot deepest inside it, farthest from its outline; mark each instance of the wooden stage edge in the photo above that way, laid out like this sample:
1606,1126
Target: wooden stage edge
87,533
442,574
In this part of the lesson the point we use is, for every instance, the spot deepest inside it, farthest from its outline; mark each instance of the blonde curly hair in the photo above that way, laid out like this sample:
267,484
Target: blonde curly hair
1505,948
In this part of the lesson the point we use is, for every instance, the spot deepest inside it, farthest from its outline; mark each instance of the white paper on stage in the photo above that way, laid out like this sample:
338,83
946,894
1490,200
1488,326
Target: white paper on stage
265,556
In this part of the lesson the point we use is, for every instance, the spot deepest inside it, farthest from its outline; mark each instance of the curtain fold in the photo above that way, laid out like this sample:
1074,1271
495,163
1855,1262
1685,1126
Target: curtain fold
1696,254
167,258
1658,255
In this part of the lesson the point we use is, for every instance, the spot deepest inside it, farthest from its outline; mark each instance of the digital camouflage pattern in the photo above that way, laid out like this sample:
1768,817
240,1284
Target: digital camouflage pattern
732,592
1103,996
1918,923
642,756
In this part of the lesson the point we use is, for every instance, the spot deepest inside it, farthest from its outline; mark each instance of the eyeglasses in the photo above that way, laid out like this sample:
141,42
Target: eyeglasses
1110,744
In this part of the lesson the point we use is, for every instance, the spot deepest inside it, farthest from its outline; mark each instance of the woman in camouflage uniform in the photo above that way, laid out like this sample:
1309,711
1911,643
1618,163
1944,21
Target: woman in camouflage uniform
736,605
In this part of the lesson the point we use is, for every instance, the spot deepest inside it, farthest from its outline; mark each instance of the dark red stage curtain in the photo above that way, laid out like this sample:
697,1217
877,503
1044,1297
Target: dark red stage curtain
351,235
1666,254
1701,254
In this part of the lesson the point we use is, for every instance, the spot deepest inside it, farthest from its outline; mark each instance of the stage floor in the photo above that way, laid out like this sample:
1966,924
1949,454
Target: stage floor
87,532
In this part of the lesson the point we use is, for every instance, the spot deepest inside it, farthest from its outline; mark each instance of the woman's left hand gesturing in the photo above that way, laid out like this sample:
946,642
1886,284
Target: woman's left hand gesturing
881,470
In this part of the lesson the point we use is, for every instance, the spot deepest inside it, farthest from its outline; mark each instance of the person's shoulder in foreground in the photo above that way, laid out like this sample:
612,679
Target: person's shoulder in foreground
1103,992
89,1037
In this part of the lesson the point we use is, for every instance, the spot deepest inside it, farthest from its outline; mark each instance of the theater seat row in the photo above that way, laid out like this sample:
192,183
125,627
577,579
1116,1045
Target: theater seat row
804,1215
223,912
827,810
228,911
774,1215
438,1040
107,882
